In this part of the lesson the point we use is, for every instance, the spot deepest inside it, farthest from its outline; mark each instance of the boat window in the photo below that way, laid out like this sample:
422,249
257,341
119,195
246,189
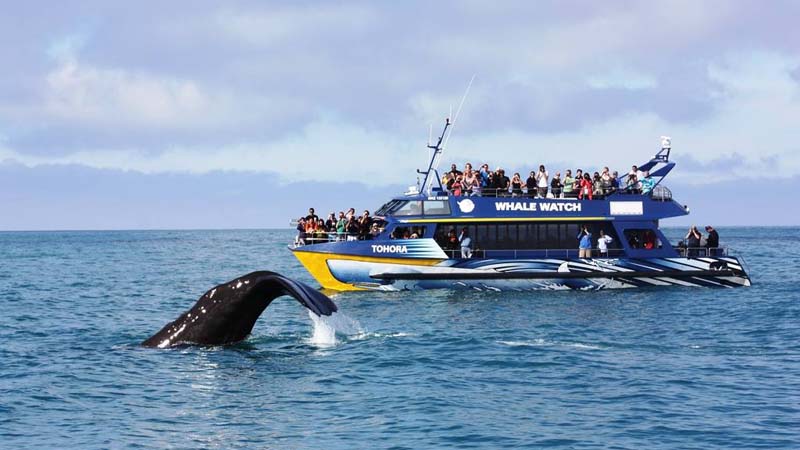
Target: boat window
410,208
526,236
437,208
388,207
642,239
408,233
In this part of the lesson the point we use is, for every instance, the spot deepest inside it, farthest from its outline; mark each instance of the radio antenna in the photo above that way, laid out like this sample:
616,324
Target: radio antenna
458,111
432,175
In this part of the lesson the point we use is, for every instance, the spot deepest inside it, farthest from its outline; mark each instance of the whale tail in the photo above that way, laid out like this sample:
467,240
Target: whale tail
227,313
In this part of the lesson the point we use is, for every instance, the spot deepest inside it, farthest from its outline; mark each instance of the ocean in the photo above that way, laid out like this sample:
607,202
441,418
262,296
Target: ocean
627,369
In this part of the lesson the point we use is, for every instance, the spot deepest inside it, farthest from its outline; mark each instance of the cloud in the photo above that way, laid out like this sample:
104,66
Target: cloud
110,96
281,25
622,79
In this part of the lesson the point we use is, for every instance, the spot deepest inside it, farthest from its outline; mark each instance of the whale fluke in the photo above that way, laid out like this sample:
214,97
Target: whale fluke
227,313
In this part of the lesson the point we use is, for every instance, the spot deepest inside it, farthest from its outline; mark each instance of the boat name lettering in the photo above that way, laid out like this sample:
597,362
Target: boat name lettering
543,206
389,249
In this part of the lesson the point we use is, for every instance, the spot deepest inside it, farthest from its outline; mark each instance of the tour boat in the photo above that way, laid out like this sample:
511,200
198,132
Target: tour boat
520,243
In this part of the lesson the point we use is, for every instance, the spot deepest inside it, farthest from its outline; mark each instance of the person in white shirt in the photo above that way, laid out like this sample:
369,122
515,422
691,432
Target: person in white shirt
542,181
602,244
466,244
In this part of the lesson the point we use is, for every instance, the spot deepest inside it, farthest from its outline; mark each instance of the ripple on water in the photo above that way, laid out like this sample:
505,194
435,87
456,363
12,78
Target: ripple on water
665,368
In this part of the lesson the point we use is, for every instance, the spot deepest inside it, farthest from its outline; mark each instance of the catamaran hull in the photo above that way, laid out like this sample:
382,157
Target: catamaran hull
342,272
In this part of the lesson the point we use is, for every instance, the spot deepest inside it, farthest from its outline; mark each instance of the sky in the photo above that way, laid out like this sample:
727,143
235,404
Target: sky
243,114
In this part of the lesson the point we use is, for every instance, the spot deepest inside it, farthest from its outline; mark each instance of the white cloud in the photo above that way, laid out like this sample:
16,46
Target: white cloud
757,103
622,79
85,93
281,25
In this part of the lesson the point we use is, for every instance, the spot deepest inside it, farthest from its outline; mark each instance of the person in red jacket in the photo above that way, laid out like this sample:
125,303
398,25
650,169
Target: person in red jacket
585,187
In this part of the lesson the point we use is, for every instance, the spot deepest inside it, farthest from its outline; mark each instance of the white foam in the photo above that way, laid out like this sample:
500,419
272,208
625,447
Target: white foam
545,343
327,327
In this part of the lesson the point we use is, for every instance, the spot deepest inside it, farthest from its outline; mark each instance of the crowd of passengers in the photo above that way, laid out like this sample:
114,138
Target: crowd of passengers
487,183
347,226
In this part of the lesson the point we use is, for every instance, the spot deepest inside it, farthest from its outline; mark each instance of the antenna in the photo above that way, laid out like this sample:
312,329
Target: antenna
432,175
458,111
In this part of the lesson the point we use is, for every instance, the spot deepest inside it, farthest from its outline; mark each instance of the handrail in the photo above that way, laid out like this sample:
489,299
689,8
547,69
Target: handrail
701,252
321,237
659,193
480,253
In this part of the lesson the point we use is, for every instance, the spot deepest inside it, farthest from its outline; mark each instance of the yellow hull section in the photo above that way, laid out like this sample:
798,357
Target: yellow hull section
317,265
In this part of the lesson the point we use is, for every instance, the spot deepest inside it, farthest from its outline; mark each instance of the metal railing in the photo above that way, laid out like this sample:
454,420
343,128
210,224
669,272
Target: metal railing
701,252
564,253
321,237
659,192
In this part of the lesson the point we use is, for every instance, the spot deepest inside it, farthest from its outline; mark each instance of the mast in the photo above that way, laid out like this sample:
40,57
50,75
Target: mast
432,174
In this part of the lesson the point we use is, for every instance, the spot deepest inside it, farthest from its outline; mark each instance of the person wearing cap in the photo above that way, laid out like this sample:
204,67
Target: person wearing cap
712,241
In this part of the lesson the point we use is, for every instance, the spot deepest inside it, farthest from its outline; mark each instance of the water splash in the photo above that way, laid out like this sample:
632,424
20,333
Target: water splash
327,327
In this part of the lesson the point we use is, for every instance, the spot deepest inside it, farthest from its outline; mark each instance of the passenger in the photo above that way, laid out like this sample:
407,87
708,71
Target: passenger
491,186
447,182
350,213
712,241
585,187
458,186
454,172
614,182
311,215
414,234
585,241
597,183
649,240
406,234
465,243
484,173
311,227
320,233
602,244
516,185
341,227
556,186
452,240
647,183
471,183
475,187
542,181
503,183
352,229
530,184
364,224
607,179
576,186
693,238
300,239
330,224
632,184
374,231
569,184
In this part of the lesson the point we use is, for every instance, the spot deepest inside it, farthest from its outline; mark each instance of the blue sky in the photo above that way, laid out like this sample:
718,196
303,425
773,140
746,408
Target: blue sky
243,114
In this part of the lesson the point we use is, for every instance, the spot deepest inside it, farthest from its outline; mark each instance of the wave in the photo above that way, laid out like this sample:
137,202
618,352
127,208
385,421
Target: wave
546,343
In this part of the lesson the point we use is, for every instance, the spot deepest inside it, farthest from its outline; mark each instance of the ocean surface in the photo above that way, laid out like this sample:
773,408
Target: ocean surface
659,368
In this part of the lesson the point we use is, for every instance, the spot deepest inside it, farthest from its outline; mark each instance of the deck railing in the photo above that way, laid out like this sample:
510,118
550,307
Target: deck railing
661,193
561,253
701,252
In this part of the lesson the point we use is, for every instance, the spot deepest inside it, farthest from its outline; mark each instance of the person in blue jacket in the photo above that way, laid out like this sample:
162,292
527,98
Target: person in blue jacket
585,244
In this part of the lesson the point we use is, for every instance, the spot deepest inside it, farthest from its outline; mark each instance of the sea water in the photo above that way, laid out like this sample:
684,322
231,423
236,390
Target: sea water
652,368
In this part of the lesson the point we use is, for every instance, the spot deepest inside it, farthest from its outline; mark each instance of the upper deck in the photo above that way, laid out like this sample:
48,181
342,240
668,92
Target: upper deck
445,208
